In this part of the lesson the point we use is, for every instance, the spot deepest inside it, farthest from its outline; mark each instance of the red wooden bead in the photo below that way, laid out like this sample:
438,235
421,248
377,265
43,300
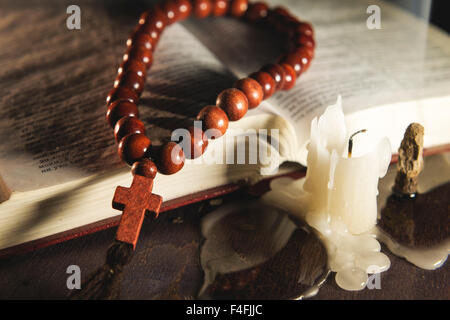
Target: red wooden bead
303,40
140,39
197,143
295,61
305,63
252,90
127,125
306,52
122,93
133,147
304,28
143,17
145,168
290,77
305,57
277,72
290,21
140,54
119,109
134,66
202,8
276,18
233,102
152,31
220,7
131,80
170,158
184,9
256,12
266,81
281,11
170,9
238,8
214,121
282,20
157,19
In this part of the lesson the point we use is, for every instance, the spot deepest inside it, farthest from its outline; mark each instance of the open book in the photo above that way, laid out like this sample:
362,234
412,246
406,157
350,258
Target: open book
58,162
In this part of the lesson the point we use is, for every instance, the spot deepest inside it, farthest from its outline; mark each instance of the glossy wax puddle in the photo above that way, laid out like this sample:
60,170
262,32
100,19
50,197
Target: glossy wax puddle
352,257
355,257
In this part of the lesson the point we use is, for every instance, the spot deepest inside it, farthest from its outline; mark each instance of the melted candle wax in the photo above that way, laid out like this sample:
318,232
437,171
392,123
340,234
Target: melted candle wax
338,197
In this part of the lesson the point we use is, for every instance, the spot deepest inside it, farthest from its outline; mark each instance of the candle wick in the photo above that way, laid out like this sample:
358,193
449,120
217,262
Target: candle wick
350,141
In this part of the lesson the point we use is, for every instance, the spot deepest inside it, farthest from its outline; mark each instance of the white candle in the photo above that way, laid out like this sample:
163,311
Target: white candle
345,188
338,197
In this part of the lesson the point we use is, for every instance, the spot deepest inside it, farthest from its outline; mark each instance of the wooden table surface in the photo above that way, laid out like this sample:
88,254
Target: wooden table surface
166,265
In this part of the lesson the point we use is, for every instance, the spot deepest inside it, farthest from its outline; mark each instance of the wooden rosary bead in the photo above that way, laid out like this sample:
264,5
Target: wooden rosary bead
134,66
266,81
140,39
119,109
305,62
145,168
306,52
171,158
213,119
140,54
220,7
133,147
170,9
122,93
277,72
233,102
301,56
202,8
127,125
304,28
131,80
197,143
280,11
238,8
156,20
295,61
256,12
152,31
276,18
143,17
184,9
303,40
252,90
289,77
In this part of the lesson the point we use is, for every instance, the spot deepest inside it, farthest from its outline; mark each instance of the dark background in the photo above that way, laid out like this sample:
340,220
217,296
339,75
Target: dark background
436,11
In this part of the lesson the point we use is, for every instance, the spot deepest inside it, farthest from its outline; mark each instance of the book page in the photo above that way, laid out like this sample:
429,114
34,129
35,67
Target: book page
53,84
405,60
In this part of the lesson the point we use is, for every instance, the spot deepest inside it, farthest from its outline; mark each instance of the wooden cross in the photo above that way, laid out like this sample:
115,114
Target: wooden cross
135,202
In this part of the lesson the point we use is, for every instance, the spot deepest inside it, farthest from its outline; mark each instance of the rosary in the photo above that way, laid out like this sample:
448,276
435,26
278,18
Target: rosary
135,148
